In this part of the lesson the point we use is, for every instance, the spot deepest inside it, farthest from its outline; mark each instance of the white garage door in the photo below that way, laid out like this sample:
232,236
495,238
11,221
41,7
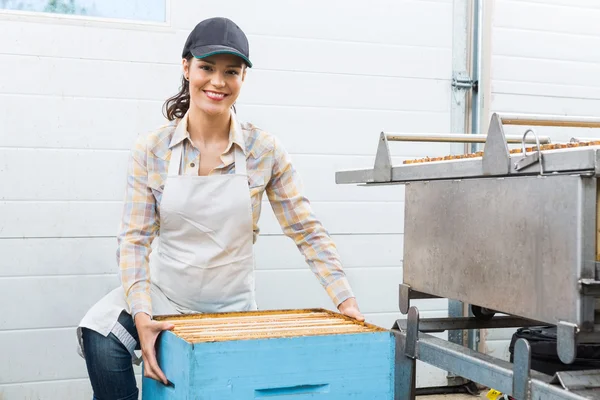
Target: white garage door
544,61
75,91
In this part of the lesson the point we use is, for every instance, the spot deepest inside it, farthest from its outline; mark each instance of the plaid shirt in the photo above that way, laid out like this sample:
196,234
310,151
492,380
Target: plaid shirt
269,169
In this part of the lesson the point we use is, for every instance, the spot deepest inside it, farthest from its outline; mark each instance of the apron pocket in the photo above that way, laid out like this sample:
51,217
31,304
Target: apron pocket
226,287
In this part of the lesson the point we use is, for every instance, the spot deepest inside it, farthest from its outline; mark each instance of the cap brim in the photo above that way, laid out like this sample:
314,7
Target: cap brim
207,51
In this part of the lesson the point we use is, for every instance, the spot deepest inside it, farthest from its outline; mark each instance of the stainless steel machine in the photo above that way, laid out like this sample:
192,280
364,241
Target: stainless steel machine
506,231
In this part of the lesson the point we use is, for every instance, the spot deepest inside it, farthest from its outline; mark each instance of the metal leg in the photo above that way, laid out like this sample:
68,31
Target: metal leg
567,342
405,372
522,370
472,334
455,309
406,362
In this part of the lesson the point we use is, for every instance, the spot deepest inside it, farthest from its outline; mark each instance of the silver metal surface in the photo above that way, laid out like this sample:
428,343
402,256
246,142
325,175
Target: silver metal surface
460,58
477,66
588,265
530,159
407,294
513,245
455,312
404,298
412,333
550,120
475,366
382,172
578,380
483,369
590,287
522,370
464,168
462,81
589,394
496,157
578,139
405,370
514,233
583,160
460,64
462,53
473,338
567,339
456,138
355,176
430,325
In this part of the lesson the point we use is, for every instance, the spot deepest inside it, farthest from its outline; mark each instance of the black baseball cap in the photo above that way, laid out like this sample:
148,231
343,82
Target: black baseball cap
217,36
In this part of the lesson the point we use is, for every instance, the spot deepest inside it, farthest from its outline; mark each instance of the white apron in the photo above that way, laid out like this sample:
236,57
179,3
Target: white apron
204,261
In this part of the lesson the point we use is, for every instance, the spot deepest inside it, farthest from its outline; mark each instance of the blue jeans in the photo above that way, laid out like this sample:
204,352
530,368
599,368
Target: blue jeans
109,363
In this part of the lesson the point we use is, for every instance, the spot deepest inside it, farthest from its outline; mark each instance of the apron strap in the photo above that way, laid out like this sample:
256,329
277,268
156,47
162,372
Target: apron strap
240,161
175,163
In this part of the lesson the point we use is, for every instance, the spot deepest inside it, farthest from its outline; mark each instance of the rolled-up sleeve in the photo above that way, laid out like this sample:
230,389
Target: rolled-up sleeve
298,221
139,226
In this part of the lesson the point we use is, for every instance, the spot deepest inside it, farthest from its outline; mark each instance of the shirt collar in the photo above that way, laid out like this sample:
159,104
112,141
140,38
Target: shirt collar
236,134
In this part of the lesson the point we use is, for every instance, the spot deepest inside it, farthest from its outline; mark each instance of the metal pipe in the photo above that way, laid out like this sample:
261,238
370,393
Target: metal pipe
460,69
476,99
550,120
476,105
456,138
462,22
583,139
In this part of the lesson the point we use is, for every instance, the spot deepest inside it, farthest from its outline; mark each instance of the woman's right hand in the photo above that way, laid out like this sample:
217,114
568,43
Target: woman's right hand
148,330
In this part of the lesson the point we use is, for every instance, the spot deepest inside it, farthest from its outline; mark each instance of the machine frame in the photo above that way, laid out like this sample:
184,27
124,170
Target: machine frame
539,234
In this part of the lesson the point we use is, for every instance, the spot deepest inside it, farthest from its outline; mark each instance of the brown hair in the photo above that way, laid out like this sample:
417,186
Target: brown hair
177,105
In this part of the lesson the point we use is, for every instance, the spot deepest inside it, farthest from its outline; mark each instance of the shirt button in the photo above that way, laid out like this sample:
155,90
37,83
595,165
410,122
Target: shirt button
192,165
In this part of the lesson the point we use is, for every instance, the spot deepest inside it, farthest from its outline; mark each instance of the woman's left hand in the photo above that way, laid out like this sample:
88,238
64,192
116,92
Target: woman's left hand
350,308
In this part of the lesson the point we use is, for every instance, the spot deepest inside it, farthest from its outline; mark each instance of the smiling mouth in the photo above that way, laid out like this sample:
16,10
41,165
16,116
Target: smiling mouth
215,95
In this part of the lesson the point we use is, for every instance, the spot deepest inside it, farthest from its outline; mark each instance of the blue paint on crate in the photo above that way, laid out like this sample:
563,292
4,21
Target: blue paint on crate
336,367
288,391
174,356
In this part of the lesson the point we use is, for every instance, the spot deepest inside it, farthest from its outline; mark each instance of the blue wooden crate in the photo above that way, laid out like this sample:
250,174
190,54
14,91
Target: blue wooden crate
295,354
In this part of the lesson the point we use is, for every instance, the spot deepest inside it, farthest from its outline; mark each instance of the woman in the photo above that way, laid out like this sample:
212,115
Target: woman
197,184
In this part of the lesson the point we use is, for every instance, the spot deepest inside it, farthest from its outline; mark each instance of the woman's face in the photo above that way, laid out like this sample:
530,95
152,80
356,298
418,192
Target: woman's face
215,82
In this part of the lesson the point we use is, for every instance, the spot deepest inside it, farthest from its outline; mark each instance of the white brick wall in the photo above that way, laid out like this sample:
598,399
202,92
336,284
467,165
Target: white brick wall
545,60
74,93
